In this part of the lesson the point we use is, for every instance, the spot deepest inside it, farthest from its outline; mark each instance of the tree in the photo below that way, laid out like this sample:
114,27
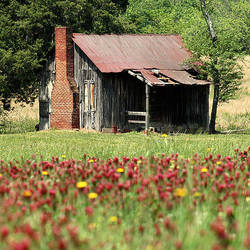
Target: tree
216,74
221,63
217,51
146,16
26,37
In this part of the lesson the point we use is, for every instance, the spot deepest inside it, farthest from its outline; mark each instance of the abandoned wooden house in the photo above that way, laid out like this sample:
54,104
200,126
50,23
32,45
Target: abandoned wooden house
121,81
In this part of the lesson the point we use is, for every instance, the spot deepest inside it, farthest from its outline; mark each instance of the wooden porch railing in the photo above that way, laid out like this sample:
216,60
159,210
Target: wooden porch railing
136,113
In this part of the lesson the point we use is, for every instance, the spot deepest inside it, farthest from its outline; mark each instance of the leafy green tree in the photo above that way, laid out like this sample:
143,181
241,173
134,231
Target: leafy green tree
26,37
219,56
218,42
146,16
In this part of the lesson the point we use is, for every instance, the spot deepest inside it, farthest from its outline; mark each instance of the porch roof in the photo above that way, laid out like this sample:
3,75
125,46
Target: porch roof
155,77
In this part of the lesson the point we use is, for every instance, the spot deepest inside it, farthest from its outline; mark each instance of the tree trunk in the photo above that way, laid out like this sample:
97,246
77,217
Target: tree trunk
216,77
214,109
208,21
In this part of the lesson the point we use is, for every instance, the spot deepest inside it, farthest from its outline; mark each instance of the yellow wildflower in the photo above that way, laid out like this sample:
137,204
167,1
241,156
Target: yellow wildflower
63,156
197,194
81,184
90,161
171,166
1,175
208,149
218,162
247,199
164,135
204,170
92,196
45,173
120,170
139,162
113,219
27,193
180,192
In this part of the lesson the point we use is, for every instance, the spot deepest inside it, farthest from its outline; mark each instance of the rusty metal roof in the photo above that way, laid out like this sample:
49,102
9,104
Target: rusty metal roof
165,77
141,53
149,75
182,76
115,53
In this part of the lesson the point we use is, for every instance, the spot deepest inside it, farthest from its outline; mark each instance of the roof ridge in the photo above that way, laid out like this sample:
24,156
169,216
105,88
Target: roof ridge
125,34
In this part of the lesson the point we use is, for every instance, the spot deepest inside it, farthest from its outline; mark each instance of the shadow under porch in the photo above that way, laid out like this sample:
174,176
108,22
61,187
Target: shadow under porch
179,108
182,108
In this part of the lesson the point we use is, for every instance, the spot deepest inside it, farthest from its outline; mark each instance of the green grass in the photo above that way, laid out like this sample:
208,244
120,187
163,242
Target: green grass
74,144
67,210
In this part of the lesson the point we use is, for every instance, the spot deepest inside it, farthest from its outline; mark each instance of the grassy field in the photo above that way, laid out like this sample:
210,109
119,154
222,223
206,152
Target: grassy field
74,144
128,192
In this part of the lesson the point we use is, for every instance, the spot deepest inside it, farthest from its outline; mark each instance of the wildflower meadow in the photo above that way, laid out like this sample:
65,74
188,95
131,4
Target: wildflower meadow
161,200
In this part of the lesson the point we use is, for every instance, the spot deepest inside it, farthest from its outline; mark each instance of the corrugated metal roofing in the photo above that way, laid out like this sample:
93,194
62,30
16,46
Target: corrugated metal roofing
169,77
182,77
140,53
149,75
115,53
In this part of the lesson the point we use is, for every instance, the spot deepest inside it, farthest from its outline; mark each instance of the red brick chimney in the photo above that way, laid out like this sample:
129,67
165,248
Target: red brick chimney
65,95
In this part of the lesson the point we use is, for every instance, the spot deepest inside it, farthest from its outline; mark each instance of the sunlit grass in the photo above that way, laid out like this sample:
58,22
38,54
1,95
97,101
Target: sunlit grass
74,144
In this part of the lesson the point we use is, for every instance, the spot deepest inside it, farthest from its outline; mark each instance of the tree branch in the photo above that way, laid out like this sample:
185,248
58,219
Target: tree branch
208,21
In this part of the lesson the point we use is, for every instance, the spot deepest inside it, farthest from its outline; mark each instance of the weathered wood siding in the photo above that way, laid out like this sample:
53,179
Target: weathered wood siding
115,94
179,107
47,82
85,70
121,93
172,108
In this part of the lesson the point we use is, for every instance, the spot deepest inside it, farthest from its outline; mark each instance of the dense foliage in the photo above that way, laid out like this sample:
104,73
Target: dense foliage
26,37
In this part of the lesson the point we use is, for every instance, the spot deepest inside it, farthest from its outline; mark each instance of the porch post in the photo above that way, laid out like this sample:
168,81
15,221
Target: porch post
147,109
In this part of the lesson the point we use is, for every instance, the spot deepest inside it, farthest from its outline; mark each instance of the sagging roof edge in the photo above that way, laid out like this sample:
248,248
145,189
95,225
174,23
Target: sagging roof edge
163,79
